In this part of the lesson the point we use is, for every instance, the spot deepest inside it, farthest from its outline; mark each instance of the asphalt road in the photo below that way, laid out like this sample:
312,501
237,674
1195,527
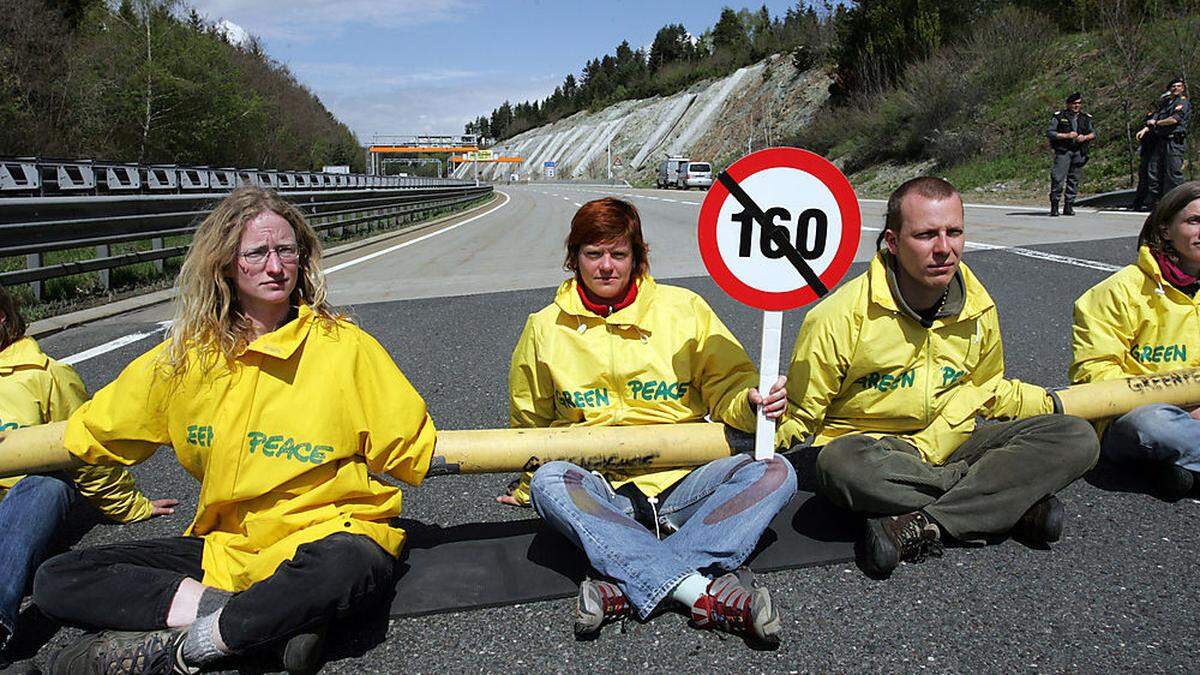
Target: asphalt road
1118,592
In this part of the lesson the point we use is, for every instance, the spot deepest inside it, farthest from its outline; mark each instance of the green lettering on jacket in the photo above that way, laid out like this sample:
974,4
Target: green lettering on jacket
1158,353
657,390
285,447
886,382
587,398
200,435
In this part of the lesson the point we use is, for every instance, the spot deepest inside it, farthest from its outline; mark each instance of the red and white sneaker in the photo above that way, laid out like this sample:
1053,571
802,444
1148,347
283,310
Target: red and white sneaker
599,603
735,603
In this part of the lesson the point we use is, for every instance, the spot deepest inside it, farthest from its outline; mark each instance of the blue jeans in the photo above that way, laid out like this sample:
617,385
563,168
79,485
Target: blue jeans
716,514
30,515
1157,433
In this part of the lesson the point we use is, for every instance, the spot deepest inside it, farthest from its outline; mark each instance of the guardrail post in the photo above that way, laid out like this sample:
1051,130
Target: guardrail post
102,251
337,231
156,244
34,261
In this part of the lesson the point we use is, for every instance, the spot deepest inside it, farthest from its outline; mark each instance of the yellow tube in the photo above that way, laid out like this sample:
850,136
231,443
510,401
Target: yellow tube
39,449
35,450
621,448
1098,400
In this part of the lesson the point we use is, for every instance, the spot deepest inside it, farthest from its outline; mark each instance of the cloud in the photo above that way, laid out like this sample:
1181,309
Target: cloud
423,108
311,20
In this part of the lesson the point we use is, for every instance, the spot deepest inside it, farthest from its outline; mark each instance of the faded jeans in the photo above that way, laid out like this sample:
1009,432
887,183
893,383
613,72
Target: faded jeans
1154,433
30,515
716,514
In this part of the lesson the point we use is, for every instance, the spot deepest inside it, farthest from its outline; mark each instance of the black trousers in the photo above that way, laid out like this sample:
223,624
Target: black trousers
1164,172
130,587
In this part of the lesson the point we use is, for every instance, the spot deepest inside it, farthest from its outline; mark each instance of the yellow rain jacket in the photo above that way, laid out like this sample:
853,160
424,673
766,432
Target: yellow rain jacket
664,359
1134,323
281,442
863,365
36,389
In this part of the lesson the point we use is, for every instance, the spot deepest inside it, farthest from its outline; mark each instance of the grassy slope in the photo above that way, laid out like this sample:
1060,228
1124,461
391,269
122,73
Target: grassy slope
1015,162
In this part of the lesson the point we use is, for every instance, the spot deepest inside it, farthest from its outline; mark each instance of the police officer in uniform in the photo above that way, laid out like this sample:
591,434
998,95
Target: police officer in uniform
1070,132
1167,127
1141,198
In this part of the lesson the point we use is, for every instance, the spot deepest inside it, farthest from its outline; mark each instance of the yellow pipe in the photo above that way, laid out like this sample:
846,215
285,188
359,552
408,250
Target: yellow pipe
39,449
620,448
35,450
1110,398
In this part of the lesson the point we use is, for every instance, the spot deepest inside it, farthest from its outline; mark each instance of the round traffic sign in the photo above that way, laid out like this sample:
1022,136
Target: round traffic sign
779,228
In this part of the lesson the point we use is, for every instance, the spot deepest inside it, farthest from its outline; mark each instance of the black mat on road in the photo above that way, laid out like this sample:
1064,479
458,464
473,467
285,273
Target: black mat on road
497,564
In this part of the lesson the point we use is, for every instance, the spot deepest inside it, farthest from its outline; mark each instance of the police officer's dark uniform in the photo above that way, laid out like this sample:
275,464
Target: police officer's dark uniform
1070,132
1141,197
1168,126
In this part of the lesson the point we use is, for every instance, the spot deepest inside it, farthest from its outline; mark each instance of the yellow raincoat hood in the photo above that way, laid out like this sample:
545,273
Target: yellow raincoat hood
862,365
664,359
36,389
281,440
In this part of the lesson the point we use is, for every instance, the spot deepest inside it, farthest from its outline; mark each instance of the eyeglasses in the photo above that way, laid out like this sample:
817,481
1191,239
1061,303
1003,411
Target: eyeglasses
286,254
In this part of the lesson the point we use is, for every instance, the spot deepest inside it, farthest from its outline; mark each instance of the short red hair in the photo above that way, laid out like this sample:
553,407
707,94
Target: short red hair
604,220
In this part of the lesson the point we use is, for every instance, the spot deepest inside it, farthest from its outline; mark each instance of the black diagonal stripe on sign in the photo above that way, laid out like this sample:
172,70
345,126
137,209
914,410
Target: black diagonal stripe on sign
777,234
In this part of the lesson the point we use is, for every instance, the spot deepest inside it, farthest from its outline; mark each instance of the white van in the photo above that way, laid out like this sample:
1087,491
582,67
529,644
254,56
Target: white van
695,175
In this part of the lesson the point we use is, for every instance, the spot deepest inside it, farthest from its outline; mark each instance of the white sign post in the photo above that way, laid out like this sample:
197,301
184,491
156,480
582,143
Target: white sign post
778,229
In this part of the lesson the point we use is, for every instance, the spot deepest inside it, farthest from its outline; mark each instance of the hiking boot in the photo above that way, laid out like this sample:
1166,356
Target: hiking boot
1054,209
123,653
303,652
735,603
890,539
1041,523
599,603
1068,209
1171,482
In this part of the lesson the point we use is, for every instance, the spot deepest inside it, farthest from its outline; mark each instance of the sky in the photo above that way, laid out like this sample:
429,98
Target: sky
430,66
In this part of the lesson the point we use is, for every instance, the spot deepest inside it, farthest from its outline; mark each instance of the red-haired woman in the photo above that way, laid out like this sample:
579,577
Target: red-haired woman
616,348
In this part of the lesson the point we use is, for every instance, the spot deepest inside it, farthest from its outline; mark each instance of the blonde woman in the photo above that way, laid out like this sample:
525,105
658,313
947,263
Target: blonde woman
280,408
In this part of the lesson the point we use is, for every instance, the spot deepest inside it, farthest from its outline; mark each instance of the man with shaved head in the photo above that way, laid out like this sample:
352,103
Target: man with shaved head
889,373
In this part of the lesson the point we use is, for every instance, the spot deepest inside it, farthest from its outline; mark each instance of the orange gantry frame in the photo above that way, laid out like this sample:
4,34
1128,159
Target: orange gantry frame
501,160
422,148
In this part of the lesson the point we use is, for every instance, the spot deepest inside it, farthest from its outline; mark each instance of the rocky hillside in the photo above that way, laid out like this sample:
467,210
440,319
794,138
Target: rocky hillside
714,121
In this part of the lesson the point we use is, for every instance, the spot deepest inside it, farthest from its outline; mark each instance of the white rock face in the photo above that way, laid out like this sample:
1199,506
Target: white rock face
712,121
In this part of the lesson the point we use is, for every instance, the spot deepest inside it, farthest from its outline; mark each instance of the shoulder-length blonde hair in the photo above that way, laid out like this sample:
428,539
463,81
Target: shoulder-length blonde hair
208,319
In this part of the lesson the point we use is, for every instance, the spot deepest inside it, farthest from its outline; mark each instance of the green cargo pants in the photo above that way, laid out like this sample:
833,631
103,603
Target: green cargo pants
981,490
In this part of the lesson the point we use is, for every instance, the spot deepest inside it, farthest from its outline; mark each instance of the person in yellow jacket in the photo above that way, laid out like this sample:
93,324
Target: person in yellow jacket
617,348
1145,320
36,389
888,375
281,409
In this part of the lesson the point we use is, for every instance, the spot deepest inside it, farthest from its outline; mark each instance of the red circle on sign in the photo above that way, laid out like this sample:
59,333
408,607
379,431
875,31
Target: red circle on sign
773,158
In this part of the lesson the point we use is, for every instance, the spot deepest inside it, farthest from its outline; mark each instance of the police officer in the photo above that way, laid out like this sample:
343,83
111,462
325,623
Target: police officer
1141,198
1070,132
1167,127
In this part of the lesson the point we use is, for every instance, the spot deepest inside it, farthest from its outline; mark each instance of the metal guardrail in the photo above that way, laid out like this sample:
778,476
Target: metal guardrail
55,219
32,176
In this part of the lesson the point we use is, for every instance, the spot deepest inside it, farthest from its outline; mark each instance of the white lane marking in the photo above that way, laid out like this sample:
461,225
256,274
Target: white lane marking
113,344
1034,253
577,205
162,326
